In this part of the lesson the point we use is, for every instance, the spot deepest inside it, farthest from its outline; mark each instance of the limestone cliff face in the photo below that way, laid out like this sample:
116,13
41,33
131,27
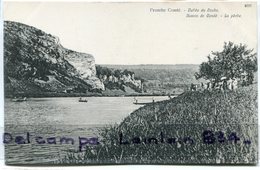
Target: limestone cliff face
84,63
36,62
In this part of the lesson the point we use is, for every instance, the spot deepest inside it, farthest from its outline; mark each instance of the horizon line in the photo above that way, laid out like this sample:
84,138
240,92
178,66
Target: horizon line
145,64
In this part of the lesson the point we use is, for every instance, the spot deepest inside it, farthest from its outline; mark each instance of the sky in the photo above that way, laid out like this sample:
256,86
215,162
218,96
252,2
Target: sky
129,33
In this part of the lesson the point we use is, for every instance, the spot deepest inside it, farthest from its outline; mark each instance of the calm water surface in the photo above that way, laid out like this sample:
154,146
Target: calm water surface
61,117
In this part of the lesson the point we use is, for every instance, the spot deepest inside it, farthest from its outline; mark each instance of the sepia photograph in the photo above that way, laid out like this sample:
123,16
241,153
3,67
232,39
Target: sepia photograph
100,83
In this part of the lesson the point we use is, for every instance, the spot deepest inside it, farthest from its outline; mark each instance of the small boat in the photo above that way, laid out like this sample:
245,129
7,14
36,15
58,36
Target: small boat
19,99
83,100
143,103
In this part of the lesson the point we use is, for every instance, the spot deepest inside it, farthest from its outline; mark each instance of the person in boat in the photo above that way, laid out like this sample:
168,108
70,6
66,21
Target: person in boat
83,100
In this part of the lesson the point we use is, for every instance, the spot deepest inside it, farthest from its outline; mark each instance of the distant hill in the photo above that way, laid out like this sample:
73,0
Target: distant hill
179,74
163,78
152,66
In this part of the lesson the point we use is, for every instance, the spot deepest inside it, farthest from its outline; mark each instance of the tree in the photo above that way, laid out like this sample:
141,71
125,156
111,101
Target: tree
103,71
233,61
126,72
117,73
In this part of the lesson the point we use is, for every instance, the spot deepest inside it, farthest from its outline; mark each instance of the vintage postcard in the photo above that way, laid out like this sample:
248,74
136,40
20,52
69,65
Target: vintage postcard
130,83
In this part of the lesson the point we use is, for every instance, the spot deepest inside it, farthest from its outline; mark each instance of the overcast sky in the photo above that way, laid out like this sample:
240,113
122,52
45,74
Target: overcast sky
128,33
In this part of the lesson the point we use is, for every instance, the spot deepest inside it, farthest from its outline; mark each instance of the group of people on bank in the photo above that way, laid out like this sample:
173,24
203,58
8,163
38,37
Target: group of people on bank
223,84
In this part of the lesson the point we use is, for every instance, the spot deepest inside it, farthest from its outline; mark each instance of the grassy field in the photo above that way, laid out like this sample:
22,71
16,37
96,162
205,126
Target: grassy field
195,127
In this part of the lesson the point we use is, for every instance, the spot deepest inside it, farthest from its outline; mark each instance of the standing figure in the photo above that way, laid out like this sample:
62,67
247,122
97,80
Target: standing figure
229,84
225,85
208,85
192,87
202,86
235,84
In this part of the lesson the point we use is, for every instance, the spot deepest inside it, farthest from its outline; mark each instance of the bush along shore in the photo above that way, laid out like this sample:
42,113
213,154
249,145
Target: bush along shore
195,127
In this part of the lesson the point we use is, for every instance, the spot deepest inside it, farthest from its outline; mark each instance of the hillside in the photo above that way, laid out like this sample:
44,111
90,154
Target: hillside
179,74
35,62
37,65
195,127
163,79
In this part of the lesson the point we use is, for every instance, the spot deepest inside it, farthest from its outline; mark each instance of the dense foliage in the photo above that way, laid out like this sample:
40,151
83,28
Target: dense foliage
232,62
102,70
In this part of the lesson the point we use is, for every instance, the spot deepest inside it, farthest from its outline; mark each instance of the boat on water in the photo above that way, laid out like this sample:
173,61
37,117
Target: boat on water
19,99
142,103
83,100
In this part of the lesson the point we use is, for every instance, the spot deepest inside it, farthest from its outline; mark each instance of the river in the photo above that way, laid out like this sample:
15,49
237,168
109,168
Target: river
60,117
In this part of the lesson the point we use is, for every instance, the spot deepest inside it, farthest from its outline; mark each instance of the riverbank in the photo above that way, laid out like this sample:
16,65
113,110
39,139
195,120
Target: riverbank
206,128
90,94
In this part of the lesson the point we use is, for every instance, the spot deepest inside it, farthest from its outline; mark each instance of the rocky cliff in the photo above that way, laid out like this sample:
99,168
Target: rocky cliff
36,62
